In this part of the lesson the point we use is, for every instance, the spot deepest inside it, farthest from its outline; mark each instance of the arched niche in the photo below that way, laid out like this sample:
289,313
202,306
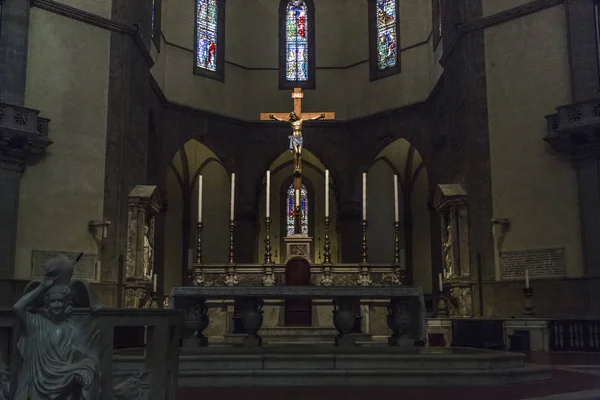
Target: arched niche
313,172
192,160
400,158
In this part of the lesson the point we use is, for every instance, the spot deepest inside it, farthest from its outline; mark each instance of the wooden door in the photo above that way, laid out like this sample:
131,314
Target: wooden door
298,311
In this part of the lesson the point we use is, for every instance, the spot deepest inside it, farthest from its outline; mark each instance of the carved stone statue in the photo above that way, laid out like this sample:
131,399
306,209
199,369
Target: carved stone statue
148,256
448,255
60,352
296,139
461,300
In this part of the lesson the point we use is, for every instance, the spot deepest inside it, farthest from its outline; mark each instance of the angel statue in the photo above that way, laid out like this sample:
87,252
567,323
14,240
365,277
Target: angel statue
296,139
60,351
448,256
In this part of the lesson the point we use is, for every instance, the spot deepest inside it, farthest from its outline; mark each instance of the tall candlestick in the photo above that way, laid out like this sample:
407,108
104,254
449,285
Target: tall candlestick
232,210
440,282
155,284
268,194
326,193
297,197
526,278
396,219
364,196
200,198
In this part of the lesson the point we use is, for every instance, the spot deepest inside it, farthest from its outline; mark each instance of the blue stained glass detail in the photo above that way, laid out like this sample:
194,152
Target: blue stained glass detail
291,211
296,41
387,37
206,34
153,15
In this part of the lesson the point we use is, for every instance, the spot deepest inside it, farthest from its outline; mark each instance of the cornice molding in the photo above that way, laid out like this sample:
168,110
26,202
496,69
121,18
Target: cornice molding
507,15
98,21
496,19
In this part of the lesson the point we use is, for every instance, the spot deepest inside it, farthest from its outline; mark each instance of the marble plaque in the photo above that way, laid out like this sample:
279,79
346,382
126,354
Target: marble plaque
85,269
539,263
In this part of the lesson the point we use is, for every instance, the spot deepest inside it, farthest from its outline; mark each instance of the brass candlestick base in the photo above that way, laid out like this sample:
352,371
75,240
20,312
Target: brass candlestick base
199,244
442,306
364,242
396,243
528,308
231,232
267,259
326,244
298,220
158,300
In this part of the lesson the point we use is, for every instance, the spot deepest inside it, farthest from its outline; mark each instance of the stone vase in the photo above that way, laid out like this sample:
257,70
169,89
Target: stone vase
399,322
343,320
252,319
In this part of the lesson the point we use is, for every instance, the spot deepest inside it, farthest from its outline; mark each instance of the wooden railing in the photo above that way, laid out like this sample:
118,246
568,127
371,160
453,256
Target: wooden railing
160,356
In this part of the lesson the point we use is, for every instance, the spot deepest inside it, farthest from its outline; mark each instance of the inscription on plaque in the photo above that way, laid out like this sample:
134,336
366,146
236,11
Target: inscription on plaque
539,263
85,269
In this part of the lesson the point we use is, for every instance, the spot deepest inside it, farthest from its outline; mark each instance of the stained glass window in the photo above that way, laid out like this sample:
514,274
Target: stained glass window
296,41
153,15
206,34
387,37
291,212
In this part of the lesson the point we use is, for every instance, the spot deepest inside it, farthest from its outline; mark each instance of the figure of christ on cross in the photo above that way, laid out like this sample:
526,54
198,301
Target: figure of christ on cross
296,119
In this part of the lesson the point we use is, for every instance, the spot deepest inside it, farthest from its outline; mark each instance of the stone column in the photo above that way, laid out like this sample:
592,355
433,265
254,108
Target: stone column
589,193
246,235
583,52
350,230
13,51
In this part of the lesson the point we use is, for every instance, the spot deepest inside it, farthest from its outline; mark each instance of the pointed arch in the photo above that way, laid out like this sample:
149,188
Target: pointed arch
296,44
209,39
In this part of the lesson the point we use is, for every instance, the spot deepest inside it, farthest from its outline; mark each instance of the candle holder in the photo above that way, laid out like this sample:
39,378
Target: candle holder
231,232
267,259
298,220
199,244
442,306
158,300
326,244
396,243
528,307
364,242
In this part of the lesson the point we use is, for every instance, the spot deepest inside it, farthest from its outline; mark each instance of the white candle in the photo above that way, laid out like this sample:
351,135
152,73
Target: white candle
297,197
200,198
364,196
268,194
526,278
231,211
326,193
440,282
154,285
396,219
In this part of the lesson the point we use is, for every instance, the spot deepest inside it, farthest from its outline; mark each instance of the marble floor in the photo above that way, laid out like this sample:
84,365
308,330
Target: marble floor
575,377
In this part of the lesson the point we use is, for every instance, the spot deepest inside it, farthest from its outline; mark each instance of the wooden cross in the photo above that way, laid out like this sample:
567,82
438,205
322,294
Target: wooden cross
296,125
297,96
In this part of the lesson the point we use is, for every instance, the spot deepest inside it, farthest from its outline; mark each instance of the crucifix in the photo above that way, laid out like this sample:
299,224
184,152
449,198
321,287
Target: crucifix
296,119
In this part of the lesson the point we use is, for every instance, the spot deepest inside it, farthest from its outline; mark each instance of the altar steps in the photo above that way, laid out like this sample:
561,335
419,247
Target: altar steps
329,365
288,335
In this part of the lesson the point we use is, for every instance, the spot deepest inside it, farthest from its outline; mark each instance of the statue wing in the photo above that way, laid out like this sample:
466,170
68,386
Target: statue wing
83,296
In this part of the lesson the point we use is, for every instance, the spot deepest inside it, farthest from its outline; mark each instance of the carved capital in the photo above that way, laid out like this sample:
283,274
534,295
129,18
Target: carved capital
23,137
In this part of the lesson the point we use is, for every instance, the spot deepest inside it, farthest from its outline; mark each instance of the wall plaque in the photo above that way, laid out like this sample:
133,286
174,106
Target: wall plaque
85,269
540,263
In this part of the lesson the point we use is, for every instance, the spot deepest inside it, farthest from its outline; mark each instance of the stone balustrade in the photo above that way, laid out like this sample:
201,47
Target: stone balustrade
406,310
161,355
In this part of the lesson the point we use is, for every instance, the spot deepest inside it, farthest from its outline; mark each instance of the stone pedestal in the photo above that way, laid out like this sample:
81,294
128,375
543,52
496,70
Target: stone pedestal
440,326
537,328
297,246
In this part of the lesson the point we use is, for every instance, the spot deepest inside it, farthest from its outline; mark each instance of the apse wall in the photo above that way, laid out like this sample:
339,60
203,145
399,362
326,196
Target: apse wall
532,186
316,208
251,41
67,67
